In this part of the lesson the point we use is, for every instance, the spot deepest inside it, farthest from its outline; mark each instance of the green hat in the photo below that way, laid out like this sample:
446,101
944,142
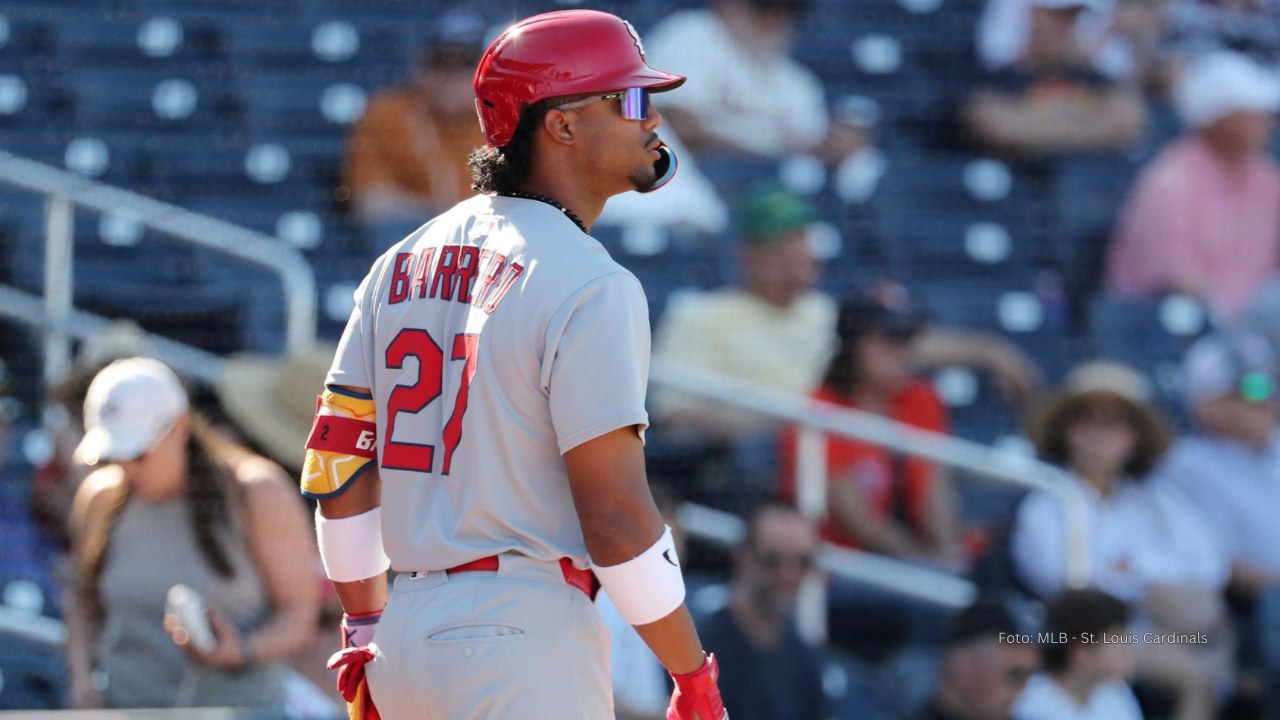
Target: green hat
770,213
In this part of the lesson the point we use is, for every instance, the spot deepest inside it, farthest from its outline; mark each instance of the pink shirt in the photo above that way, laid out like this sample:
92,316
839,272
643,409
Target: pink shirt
1193,221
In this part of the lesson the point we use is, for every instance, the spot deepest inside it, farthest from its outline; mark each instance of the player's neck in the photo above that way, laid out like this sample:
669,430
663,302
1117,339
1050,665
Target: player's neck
578,199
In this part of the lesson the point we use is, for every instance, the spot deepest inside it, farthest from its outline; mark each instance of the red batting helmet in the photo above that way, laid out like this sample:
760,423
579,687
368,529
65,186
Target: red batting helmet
567,52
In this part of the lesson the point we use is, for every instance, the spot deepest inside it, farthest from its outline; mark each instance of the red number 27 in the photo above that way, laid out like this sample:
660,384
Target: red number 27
418,343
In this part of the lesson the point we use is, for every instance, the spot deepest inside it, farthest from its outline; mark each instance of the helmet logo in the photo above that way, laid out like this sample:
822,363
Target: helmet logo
635,36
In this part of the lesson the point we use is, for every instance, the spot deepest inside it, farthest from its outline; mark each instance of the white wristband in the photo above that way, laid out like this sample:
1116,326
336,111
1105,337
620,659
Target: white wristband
351,548
648,587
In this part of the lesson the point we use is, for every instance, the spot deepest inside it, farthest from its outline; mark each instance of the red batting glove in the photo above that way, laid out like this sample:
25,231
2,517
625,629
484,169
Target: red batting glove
351,682
697,692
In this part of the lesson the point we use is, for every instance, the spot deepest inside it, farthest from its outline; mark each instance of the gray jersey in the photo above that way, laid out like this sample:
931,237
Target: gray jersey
494,339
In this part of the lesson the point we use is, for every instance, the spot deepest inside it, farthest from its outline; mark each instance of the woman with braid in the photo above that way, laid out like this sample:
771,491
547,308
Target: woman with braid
171,501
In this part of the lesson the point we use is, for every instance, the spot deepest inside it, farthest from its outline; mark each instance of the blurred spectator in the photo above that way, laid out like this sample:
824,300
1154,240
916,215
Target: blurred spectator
766,670
1204,216
747,95
641,686
987,656
271,400
776,329
1086,663
1251,27
888,504
1262,315
1145,544
57,480
1134,44
173,502
407,157
1230,469
1123,40
1043,94
29,558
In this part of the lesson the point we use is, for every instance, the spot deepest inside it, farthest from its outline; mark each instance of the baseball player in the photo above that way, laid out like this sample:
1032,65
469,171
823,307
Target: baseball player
481,428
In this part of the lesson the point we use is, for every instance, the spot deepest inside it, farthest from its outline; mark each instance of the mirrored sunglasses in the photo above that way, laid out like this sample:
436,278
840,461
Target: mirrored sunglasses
1257,387
635,103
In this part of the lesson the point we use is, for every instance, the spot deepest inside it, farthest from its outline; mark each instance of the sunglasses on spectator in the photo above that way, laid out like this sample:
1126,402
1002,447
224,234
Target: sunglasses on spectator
1257,387
774,560
635,103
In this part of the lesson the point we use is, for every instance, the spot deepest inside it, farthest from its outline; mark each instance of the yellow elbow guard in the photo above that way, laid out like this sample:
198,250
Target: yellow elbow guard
342,445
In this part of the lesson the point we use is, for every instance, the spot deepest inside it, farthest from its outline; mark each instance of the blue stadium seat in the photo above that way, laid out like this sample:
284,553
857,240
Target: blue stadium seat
34,101
184,46
968,242
1150,335
733,174
962,216
35,676
1034,316
108,158
330,47
194,166
301,106
1089,192
314,162
28,38
154,100
46,145
221,11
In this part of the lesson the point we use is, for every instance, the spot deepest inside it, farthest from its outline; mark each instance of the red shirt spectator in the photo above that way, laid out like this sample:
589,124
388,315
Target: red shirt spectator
893,485
879,500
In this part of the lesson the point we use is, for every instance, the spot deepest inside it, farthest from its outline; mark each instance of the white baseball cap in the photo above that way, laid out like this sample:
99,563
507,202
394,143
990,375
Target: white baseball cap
130,405
1221,83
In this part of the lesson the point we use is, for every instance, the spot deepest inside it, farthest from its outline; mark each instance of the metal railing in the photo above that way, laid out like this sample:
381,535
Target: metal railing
65,190
24,307
815,420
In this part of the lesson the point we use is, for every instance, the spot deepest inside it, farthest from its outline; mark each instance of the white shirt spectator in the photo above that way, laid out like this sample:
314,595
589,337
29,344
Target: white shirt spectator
1237,490
771,105
1044,699
639,681
1141,535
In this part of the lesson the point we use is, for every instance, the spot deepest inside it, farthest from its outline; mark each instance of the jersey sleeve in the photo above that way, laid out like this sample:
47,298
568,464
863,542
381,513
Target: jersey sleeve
351,361
596,364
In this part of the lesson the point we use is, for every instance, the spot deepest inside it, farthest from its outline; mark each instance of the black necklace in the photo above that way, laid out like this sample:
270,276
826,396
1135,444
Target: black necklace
543,198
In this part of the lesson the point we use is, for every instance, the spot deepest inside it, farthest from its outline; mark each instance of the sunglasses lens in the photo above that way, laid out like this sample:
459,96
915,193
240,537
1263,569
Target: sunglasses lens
635,104
1257,387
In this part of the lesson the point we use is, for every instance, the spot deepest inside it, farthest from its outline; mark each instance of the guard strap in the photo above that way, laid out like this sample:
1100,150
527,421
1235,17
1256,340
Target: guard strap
342,445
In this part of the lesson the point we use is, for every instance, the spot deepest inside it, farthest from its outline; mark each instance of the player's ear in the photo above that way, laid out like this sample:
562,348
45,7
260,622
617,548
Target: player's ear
559,126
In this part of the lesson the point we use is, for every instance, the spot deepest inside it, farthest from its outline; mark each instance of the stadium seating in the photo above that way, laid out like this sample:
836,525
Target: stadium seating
1150,335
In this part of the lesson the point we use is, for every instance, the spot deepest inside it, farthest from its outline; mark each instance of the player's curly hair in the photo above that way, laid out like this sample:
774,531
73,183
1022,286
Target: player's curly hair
505,169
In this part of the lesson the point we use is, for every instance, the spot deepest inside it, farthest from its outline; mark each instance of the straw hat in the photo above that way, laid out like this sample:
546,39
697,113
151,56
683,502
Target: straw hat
272,399
1108,381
